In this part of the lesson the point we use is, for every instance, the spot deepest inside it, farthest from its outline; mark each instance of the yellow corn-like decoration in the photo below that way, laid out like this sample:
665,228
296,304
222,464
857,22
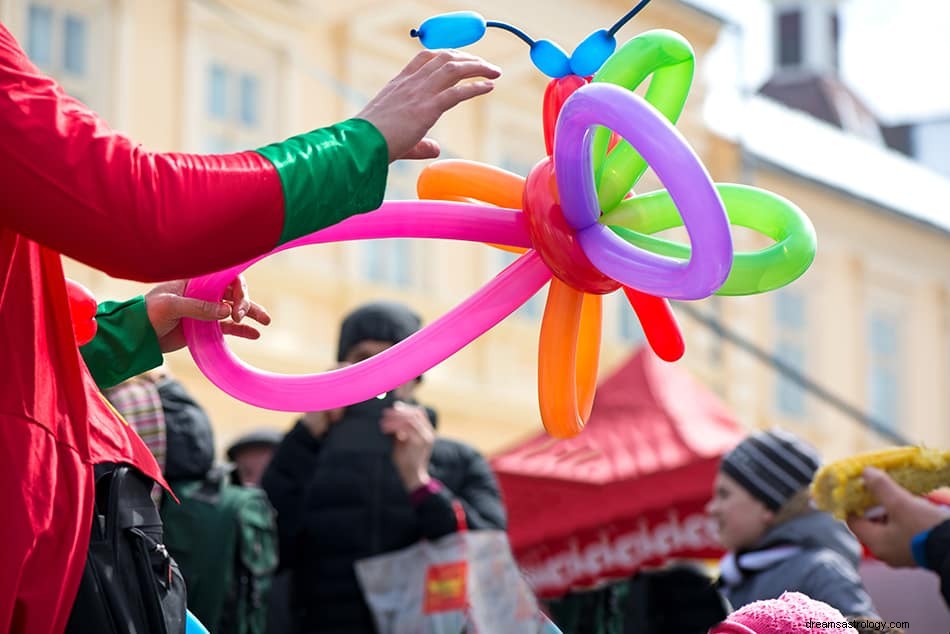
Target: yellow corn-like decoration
839,489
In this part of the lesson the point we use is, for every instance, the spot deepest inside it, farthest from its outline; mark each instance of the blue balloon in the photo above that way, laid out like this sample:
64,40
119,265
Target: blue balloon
550,59
193,625
591,54
451,30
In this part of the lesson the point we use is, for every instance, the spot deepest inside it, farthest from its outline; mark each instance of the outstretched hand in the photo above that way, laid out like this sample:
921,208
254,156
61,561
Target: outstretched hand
412,102
166,306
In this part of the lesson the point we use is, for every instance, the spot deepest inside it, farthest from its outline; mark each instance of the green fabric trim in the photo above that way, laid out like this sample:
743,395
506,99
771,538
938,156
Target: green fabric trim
329,174
125,343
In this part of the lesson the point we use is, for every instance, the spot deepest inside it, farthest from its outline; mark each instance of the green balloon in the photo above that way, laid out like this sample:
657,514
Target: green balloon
669,58
776,217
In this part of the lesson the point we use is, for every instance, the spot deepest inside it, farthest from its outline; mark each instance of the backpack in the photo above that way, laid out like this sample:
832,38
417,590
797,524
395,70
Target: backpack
130,584
225,538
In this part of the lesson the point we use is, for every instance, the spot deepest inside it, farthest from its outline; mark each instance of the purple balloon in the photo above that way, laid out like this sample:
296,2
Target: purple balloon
676,165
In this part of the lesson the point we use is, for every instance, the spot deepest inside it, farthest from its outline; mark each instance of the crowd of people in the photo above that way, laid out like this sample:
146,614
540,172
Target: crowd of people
271,540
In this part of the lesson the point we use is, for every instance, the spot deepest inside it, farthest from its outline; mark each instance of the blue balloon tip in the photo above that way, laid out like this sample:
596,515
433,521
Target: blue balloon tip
450,30
550,59
591,54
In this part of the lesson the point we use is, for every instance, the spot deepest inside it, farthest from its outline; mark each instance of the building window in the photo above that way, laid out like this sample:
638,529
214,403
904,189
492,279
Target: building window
790,346
237,83
388,261
74,44
217,92
70,41
39,39
249,91
883,378
790,38
233,111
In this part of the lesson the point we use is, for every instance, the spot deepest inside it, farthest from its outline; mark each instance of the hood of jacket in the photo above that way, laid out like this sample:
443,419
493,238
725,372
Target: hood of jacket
815,529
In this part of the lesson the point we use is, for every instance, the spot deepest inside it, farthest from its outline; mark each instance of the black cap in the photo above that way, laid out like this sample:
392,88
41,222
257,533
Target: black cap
258,438
378,321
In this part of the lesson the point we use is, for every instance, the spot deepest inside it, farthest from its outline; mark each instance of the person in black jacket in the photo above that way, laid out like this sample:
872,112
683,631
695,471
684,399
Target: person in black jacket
912,532
368,479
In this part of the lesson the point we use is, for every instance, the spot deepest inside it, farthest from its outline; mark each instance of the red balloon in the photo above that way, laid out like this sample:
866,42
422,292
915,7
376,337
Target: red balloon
659,324
556,93
82,311
554,239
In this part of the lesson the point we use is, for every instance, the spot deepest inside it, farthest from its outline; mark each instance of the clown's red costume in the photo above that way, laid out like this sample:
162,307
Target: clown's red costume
70,185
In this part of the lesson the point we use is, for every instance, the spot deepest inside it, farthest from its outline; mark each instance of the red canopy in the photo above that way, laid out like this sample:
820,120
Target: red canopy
626,492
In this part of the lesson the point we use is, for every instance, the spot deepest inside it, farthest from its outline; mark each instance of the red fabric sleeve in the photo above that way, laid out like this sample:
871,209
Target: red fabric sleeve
71,183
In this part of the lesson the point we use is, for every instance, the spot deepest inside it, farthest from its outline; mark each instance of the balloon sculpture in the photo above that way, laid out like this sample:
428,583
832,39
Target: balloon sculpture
576,221
82,312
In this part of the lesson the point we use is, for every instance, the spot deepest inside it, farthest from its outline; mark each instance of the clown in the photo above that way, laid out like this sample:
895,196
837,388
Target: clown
73,186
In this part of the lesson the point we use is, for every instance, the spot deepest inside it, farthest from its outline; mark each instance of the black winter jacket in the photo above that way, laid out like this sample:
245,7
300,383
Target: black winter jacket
937,548
338,502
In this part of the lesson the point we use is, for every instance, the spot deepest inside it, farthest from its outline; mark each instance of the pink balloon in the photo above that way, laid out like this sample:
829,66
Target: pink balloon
407,359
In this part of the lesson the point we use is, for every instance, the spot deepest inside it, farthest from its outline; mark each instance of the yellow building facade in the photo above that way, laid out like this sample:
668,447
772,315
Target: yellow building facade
870,322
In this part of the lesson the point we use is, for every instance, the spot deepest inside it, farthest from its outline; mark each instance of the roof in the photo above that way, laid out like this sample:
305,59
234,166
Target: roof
629,490
816,150
654,439
824,97
648,417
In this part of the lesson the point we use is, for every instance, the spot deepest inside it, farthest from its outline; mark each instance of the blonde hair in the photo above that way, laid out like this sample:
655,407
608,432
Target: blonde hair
799,504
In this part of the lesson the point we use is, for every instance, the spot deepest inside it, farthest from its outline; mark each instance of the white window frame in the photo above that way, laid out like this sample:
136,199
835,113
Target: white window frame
795,338
210,40
95,87
395,262
887,306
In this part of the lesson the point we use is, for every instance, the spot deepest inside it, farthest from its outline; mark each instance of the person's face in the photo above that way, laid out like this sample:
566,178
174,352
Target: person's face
740,518
370,347
251,462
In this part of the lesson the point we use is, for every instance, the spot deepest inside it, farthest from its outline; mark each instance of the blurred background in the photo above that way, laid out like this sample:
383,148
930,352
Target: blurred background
839,106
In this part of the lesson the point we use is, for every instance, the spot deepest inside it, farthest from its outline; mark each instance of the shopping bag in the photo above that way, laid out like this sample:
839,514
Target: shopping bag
466,582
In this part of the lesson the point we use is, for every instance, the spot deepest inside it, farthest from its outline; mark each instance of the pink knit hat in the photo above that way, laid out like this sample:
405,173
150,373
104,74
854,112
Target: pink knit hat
791,613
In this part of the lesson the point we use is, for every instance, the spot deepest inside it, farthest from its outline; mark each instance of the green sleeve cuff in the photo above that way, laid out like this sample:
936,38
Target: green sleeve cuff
125,343
329,174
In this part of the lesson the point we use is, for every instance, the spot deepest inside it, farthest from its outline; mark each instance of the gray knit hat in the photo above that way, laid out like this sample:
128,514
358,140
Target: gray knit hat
772,466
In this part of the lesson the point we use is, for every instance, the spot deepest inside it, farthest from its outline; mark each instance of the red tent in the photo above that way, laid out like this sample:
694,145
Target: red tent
626,492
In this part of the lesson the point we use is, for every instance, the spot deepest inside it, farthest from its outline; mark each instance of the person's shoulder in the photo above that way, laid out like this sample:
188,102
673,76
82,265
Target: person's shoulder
824,571
831,578
455,449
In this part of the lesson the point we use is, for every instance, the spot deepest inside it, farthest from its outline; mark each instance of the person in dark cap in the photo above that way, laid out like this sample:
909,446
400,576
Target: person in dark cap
250,454
368,479
777,540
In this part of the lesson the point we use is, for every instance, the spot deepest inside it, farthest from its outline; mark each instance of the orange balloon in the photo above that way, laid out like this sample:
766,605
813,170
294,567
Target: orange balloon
454,178
469,181
568,356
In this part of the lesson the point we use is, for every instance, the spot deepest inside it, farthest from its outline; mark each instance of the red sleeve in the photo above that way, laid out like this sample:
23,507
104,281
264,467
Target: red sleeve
71,183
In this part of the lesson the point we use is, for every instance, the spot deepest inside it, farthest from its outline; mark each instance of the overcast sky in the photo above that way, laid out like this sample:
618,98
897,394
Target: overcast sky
895,53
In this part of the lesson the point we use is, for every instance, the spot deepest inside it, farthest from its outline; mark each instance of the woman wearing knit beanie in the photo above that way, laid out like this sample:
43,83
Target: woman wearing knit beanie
776,540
